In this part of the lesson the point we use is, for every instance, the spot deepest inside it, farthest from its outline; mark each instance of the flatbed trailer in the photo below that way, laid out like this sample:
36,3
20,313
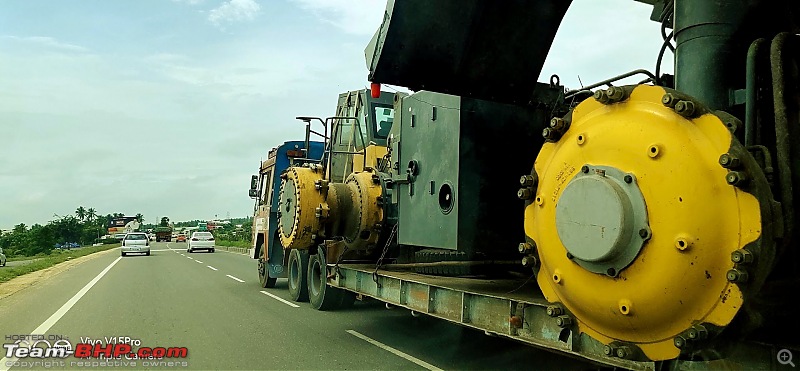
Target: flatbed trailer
515,308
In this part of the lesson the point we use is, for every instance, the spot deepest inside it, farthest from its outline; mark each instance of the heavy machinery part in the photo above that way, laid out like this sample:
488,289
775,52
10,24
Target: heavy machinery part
374,153
362,221
465,47
298,275
321,296
699,212
302,190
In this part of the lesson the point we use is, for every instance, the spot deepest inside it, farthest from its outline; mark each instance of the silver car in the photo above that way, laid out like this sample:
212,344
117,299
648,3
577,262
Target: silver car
201,241
135,243
2,258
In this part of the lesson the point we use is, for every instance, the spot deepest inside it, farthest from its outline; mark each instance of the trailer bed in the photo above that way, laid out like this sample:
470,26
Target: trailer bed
513,308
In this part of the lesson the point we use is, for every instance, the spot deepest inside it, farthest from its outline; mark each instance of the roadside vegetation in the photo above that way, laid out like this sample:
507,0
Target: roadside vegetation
55,257
83,228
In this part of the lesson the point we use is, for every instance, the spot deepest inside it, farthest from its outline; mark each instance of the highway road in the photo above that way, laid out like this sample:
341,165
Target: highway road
211,303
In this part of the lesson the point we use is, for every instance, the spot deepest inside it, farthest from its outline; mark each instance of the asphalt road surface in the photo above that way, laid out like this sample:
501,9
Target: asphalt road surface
212,304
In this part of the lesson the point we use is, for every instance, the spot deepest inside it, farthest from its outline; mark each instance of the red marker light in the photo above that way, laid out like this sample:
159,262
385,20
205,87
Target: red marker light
375,89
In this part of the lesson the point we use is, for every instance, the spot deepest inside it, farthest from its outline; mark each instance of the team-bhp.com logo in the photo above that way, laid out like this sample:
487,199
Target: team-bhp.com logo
115,348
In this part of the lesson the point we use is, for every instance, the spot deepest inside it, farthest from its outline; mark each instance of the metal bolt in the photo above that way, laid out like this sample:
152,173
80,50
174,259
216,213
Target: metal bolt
558,124
529,261
628,179
679,341
584,169
563,321
669,100
741,256
615,93
737,275
611,272
528,180
550,134
697,332
554,311
736,178
624,352
643,233
685,108
609,350
525,247
600,96
729,161
524,193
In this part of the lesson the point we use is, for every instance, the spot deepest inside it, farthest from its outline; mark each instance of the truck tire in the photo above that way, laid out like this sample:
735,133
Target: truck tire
297,272
322,296
266,281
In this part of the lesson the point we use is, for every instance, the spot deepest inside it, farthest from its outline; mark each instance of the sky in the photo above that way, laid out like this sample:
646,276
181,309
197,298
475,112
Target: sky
166,107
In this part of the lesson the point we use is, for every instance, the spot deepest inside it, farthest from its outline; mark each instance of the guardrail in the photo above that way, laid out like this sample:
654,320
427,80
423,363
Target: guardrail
238,250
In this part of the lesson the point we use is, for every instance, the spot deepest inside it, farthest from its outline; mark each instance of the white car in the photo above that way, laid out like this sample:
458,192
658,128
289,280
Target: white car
201,241
136,242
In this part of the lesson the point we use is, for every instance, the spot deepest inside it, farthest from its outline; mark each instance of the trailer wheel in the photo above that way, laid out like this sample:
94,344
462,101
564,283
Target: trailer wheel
263,275
297,272
322,296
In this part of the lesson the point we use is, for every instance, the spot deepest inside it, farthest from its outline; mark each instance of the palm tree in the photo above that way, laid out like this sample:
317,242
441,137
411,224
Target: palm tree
139,217
81,213
91,214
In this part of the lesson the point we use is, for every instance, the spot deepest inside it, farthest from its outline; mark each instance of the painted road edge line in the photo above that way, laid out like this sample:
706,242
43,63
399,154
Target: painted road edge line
234,278
198,261
394,351
49,322
212,267
289,303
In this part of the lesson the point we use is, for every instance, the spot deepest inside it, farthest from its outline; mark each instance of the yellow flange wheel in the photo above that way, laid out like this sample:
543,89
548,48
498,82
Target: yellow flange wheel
362,221
635,223
302,191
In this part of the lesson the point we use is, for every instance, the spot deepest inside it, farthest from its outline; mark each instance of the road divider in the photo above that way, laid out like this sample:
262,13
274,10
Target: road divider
289,303
234,278
396,352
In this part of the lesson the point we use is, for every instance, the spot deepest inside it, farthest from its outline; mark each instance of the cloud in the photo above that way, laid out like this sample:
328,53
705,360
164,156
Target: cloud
190,2
357,19
234,11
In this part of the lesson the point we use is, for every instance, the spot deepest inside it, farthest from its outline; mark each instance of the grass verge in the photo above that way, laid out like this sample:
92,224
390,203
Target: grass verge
243,244
7,273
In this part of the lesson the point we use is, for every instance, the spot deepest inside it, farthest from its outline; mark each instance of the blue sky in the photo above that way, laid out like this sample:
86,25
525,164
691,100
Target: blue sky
165,107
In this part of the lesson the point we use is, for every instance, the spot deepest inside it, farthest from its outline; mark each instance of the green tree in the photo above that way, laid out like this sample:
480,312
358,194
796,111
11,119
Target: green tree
91,214
81,213
165,222
139,217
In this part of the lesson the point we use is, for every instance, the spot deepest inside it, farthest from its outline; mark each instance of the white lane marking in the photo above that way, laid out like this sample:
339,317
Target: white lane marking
162,250
289,303
198,261
48,323
183,255
189,257
212,267
394,351
234,278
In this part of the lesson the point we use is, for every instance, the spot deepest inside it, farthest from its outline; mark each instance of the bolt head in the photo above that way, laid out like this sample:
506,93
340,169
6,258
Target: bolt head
628,179
623,352
584,169
643,233
608,350
679,342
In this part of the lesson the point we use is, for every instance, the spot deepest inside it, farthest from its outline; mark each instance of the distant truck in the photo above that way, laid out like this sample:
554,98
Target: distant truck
163,234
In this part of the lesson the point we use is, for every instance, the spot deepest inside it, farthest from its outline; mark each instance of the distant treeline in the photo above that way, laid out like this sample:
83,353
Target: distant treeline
85,227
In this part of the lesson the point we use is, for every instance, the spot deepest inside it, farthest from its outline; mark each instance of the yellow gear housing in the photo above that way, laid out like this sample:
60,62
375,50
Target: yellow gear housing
586,215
